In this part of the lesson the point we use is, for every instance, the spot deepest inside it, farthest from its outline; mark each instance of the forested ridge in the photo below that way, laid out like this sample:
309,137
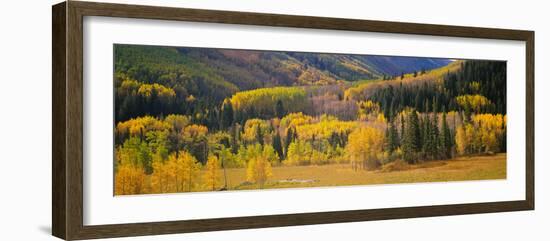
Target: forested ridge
198,78
185,115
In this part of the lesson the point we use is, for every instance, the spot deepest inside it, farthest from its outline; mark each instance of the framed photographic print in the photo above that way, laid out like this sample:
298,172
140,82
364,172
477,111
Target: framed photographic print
171,120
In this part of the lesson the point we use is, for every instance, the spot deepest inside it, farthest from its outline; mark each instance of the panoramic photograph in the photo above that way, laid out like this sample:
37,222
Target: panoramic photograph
190,119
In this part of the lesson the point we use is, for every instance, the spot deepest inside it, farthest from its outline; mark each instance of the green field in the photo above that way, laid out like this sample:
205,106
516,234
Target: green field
458,169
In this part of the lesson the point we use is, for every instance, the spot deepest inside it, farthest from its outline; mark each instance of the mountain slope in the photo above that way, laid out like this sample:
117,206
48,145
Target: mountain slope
249,69
435,76
193,80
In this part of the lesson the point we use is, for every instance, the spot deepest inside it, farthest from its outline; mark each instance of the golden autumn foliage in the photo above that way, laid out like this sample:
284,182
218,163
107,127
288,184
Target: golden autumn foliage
485,134
258,169
367,109
177,122
129,179
324,128
128,87
363,91
474,86
295,119
492,130
463,138
190,99
133,87
230,160
474,102
299,153
212,174
193,131
161,91
294,99
140,125
251,128
269,153
364,146
178,173
313,76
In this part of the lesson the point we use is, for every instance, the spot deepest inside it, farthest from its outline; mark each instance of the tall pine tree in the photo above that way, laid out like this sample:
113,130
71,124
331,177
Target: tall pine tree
259,135
279,109
445,138
276,142
391,137
227,115
289,139
411,145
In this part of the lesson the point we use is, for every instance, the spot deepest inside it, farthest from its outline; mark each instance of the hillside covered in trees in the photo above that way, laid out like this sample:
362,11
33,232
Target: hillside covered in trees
174,76
195,119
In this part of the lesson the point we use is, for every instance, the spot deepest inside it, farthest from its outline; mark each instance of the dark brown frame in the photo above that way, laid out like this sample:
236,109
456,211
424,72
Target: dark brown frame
67,121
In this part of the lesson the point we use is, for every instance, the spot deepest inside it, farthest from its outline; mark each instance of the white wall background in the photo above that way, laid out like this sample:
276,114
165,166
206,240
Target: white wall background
25,119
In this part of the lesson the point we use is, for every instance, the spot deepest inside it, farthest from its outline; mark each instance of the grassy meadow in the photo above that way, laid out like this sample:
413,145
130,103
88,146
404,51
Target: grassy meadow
458,169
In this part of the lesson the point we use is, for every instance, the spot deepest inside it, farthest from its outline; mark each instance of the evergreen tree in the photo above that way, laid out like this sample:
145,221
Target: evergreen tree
259,135
343,139
411,145
392,140
434,138
251,114
276,142
334,139
445,138
467,113
387,144
239,117
213,119
402,138
417,102
503,139
279,109
289,139
426,106
234,132
227,116
435,105
426,136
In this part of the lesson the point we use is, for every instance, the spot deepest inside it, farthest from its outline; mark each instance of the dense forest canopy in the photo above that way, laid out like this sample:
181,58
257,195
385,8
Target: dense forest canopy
184,112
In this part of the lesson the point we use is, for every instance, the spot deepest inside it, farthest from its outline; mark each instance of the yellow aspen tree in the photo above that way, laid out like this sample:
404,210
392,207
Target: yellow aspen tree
258,170
299,153
466,139
189,168
460,140
491,131
177,174
159,178
129,179
473,139
212,173
364,145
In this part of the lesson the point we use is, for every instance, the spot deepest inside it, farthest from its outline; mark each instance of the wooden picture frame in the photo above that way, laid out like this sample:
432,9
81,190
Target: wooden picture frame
67,124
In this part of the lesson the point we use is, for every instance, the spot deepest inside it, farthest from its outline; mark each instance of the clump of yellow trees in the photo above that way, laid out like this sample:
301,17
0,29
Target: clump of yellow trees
485,133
